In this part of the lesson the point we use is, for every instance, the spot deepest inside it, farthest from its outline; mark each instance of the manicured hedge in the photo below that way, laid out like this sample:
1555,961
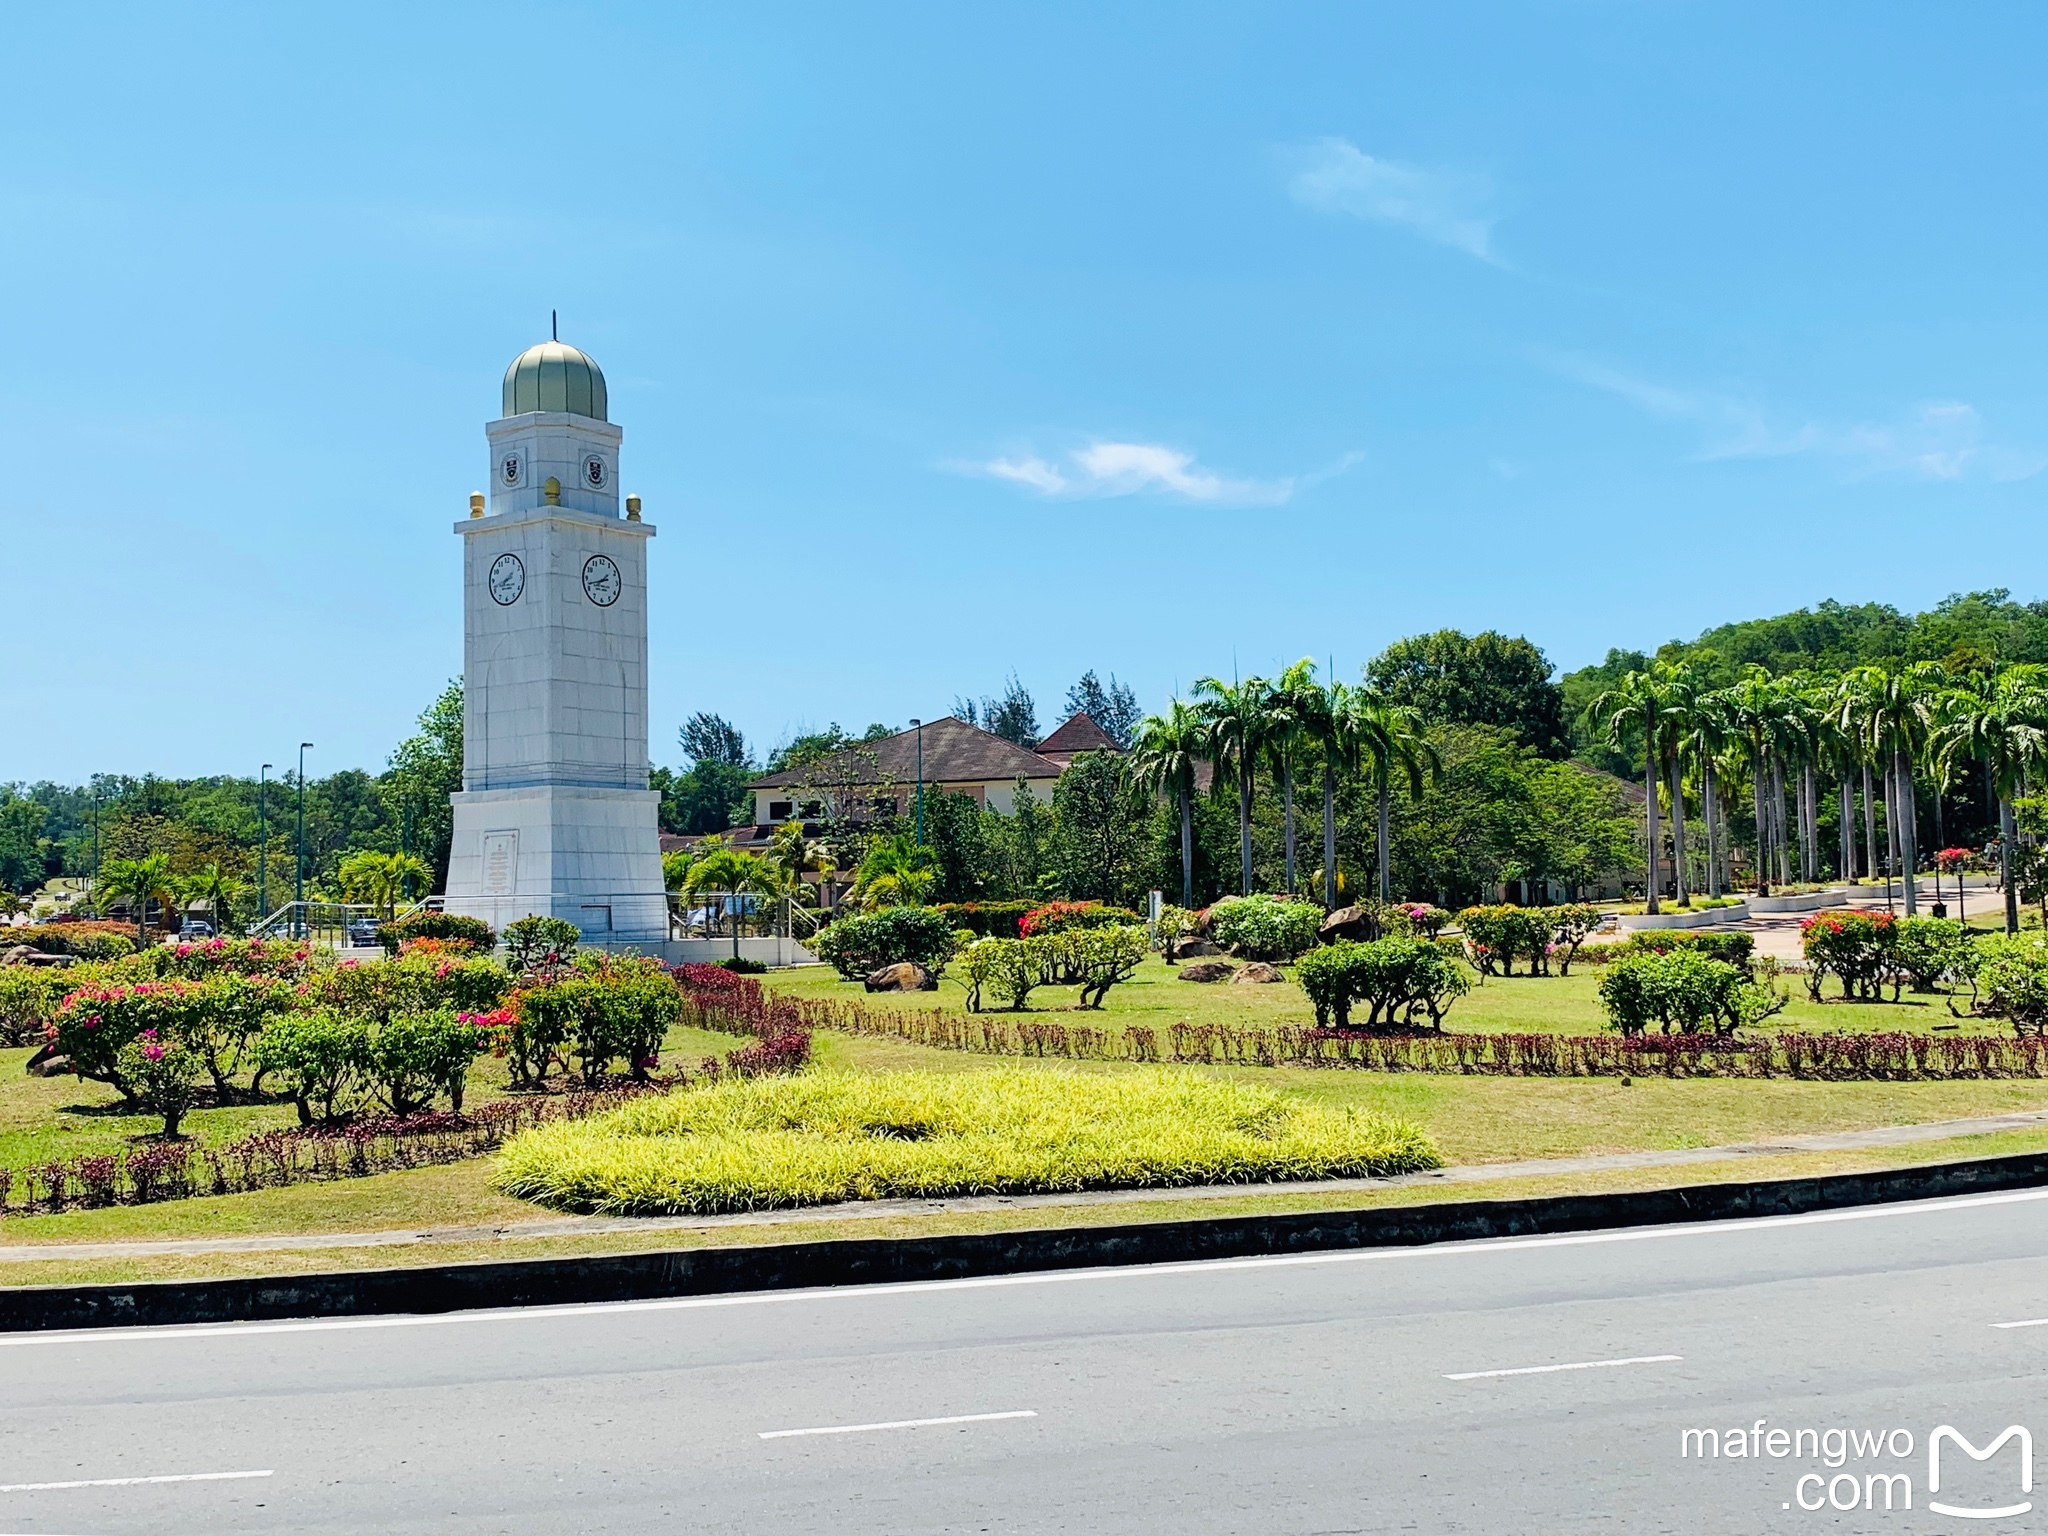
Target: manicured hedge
856,945
986,919
473,931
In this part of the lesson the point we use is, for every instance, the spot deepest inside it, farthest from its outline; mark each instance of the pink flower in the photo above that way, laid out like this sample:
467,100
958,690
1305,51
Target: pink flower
153,1052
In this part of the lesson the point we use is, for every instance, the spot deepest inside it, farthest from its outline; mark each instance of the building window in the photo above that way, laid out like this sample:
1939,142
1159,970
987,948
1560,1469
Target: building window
778,810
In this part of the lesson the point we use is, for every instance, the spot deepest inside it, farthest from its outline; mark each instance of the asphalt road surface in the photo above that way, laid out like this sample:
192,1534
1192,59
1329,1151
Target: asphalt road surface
1520,1386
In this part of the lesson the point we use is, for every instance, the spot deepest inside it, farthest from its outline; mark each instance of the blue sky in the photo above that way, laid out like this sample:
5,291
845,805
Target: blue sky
955,340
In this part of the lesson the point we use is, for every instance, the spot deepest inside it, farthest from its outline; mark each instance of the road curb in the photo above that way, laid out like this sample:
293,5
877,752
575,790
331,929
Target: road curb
871,1261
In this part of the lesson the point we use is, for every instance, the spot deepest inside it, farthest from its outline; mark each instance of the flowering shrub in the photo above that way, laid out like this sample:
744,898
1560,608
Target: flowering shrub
856,945
986,919
87,940
1855,947
197,961
29,996
162,1074
536,942
95,1024
609,1009
414,1056
1684,991
1059,916
415,983
1953,861
1495,937
473,931
1393,978
1265,927
1424,920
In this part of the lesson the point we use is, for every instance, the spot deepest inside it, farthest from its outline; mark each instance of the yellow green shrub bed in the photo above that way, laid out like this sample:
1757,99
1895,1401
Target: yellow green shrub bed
763,1142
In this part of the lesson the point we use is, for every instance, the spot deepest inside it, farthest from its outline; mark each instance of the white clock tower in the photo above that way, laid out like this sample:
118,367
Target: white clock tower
555,816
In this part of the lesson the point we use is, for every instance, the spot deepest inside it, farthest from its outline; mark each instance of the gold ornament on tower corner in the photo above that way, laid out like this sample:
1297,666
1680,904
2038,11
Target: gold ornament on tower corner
551,493
632,509
476,503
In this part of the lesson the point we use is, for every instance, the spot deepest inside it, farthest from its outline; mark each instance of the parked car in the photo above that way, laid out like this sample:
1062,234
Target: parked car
362,932
195,928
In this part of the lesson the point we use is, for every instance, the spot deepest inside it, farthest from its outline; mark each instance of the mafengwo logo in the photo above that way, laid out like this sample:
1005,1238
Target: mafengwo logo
1871,1469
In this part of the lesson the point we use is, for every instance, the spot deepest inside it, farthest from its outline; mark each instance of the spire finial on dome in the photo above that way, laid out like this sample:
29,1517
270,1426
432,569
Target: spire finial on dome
554,325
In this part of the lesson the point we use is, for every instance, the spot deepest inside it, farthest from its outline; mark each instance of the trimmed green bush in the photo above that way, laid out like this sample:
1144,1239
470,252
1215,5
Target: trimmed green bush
1736,949
1394,978
1265,927
791,1141
1927,952
473,931
87,940
2009,978
1684,991
856,945
611,1009
29,995
1061,916
413,1057
321,1059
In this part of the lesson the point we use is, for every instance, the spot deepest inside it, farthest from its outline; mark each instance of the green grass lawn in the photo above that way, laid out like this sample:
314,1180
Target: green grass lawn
1533,1004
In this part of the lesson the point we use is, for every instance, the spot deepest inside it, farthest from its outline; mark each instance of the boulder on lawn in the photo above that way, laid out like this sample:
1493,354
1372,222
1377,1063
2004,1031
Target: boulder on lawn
47,1063
1348,923
1190,949
903,976
19,955
1257,971
1207,970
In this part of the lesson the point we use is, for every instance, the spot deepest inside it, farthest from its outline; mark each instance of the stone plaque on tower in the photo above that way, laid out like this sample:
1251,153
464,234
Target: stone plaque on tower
555,816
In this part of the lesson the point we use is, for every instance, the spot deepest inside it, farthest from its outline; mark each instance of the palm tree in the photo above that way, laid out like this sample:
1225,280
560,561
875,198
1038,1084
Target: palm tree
1169,750
1682,691
734,873
217,890
1708,733
1391,736
1627,710
791,852
1760,720
896,872
2001,722
1329,722
1237,718
1288,702
380,878
1894,711
137,882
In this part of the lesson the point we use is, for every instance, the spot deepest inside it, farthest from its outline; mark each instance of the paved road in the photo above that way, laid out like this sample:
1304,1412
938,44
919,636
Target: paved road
1328,1394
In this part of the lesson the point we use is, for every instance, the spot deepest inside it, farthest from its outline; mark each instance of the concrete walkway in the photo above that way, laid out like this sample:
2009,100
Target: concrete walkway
1473,1173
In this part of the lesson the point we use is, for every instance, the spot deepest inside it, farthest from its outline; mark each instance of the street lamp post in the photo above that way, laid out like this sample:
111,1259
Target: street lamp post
262,842
299,858
918,726
95,842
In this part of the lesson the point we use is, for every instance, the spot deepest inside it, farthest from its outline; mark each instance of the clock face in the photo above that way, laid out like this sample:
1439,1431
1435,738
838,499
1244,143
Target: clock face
594,472
508,579
601,583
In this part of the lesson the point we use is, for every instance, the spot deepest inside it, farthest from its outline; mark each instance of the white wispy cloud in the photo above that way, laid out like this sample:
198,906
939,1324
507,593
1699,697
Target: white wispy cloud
1934,440
1451,207
1107,468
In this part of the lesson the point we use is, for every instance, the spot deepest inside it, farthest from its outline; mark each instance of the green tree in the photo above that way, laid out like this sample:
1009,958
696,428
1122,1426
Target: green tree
895,872
1450,678
136,883
1237,718
1099,826
22,846
1630,709
425,769
2002,724
1390,736
730,872
1170,749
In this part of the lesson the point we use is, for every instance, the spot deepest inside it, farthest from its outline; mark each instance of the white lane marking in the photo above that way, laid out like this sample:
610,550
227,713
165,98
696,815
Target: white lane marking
861,1429
1576,1365
600,1309
130,1482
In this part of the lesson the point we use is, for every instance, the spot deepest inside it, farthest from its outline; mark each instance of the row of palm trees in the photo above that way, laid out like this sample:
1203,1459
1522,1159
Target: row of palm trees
1285,725
1875,728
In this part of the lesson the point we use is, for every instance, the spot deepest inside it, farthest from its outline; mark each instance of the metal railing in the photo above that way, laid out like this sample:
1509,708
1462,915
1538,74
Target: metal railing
333,924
